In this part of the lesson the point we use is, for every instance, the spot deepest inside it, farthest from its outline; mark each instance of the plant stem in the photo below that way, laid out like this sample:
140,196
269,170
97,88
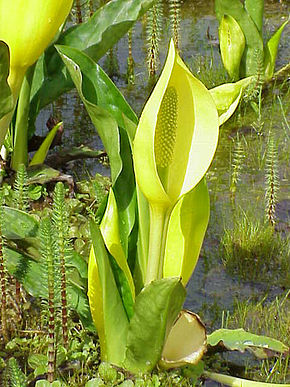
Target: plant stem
20,151
3,280
159,217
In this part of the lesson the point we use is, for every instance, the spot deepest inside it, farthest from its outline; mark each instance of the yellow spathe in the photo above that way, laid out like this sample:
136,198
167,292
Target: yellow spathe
27,27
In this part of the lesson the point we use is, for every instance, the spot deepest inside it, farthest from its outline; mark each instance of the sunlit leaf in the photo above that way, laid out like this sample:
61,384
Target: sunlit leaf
238,339
6,99
186,230
227,97
186,342
156,308
271,50
233,381
232,45
254,41
109,228
18,224
107,109
40,155
256,10
104,296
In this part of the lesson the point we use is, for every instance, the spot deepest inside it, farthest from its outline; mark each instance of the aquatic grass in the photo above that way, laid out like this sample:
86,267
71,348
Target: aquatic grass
254,251
206,69
265,318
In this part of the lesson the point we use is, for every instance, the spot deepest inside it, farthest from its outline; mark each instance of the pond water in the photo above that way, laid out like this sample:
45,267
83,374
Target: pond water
210,290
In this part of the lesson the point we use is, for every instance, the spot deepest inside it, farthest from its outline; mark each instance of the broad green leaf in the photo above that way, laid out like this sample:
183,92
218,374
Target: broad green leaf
104,122
143,241
232,45
186,342
26,268
255,9
18,224
238,339
6,99
109,228
156,308
112,320
95,37
271,50
97,87
40,155
227,97
254,42
107,109
186,230
233,381
45,383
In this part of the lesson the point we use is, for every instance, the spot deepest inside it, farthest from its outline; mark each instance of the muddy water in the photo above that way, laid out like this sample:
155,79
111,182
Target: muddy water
210,289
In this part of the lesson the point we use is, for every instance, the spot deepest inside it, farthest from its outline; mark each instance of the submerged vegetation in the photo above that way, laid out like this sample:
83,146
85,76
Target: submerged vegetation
93,272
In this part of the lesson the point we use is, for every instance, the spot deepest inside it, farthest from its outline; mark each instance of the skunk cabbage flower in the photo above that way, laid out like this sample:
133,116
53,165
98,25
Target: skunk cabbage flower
27,27
173,147
177,135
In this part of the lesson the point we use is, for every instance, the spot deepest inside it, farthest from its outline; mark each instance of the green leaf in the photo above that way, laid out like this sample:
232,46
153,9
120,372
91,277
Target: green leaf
232,45
105,302
233,381
18,224
156,308
95,37
45,383
26,269
187,226
271,50
255,9
6,99
227,97
254,42
238,339
107,109
109,228
40,155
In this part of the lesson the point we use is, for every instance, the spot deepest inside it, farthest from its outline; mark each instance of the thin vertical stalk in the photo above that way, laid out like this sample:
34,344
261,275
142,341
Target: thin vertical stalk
20,150
3,281
271,180
174,9
130,60
61,228
47,249
91,8
79,12
153,30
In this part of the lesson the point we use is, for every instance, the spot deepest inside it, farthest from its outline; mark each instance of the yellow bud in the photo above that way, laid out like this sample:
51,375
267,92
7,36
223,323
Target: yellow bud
28,26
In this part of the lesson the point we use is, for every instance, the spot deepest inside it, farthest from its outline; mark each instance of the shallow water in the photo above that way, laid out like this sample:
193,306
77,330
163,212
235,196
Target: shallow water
210,289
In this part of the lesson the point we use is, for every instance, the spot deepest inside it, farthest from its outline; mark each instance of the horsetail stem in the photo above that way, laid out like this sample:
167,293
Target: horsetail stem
166,128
